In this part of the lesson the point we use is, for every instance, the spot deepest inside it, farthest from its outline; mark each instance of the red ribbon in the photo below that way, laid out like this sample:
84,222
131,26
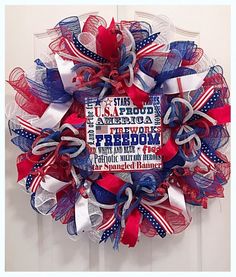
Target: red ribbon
169,150
25,166
106,42
138,96
73,119
111,183
221,114
130,235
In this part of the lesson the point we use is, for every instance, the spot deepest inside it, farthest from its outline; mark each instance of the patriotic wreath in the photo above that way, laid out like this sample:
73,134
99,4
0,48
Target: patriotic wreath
121,130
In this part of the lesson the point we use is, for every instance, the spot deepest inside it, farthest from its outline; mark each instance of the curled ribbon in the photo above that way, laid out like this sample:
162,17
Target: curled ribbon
185,133
127,209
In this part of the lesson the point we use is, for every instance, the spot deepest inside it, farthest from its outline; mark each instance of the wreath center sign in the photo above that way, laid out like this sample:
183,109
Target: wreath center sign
121,130
122,137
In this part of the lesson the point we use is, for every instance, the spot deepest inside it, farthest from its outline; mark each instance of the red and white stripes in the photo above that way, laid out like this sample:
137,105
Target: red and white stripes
107,224
26,125
204,98
39,177
204,159
77,53
150,209
159,218
149,48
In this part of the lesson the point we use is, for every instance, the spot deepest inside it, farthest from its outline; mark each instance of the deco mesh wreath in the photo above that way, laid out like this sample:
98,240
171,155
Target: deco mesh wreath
120,130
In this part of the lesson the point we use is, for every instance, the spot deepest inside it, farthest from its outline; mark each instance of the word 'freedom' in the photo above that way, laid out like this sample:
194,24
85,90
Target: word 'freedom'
128,139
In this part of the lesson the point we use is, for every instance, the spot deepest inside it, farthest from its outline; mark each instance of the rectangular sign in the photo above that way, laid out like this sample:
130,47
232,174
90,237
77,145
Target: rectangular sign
122,137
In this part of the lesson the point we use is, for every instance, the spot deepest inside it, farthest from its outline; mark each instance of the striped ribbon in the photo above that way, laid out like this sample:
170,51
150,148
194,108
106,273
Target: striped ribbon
204,98
26,125
208,156
204,159
159,218
79,51
39,177
107,224
111,230
154,213
148,49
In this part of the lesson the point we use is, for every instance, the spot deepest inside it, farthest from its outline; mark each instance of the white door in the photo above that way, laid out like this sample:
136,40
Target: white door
36,243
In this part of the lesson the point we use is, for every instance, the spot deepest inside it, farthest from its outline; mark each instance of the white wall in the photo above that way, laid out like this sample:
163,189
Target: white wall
35,243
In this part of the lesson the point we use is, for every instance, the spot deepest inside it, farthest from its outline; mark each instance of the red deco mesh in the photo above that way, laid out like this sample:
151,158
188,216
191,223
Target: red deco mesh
194,59
24,99
92,23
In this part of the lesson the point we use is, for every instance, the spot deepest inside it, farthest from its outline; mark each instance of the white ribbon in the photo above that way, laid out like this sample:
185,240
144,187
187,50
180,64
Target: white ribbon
75,142
157,202
131,43
45,201
186,129
87,215
69,126
77,178
53,115
66,74
82,217
46,147
149,81
102,93
131,76
126,206
45,196
176,198
52,184
188,83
